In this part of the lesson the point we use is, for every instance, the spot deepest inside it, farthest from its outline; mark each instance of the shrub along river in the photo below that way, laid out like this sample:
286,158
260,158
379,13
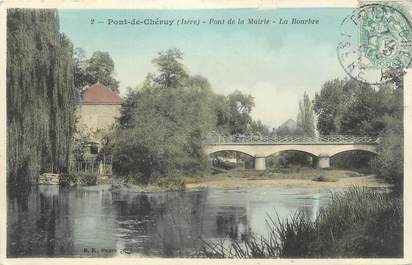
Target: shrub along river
96,222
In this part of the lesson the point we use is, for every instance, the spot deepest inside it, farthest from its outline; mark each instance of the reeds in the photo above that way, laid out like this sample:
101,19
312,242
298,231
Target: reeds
358,223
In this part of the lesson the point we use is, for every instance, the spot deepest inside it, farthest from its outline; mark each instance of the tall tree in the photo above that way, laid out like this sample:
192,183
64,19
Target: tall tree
171,71
100,68
327,106
306,117
80,63
162,123
41,96
240,107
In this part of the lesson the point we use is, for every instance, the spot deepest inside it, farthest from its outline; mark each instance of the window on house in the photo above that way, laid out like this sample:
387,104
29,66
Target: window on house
94,149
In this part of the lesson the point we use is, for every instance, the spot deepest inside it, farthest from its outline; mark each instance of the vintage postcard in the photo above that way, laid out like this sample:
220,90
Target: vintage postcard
157,132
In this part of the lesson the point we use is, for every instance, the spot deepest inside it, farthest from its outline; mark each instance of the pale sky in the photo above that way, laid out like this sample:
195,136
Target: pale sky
274,63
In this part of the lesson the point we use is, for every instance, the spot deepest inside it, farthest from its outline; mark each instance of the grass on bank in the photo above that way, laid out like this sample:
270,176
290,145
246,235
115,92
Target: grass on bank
183,182
359,223
155,185
296,172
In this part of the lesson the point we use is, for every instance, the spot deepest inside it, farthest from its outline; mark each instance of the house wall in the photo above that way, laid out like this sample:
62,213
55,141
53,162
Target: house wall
95,117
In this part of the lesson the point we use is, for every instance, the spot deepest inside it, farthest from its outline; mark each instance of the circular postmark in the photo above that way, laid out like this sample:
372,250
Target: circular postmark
375,40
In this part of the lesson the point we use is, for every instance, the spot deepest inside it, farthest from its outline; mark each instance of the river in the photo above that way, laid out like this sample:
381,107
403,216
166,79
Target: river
95,222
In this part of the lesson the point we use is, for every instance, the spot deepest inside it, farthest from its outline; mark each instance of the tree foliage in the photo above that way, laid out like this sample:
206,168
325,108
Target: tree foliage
171,71
306,117
351,107
389,162
233,114
240,107
41,96
98,68
326,106
163,122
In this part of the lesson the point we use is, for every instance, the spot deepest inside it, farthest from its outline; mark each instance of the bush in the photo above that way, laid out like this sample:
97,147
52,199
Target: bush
359,223
355,160
87,179
286,159
321,179
389,163
286,170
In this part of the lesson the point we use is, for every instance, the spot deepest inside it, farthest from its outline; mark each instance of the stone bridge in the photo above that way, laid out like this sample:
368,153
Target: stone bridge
320,148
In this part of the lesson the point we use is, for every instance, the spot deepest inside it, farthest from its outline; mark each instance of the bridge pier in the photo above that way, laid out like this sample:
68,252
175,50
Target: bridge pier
260,162
322,161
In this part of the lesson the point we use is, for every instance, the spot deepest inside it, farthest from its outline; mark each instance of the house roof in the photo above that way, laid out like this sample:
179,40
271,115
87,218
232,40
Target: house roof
100,94
290,124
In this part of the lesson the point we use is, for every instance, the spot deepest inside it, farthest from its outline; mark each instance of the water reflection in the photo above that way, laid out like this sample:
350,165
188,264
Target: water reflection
95,222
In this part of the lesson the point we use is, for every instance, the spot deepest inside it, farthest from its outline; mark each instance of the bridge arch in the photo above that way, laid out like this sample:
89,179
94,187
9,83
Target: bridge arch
225,159
228,150
215,149
366,148
294,150
354,159
288,156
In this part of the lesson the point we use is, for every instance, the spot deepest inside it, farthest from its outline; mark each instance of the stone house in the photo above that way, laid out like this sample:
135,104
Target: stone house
98,111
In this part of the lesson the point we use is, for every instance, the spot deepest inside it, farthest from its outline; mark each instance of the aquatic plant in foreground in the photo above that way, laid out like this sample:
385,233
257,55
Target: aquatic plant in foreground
358,223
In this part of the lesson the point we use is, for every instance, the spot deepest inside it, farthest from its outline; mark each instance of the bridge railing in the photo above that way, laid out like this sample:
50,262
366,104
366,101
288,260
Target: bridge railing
289,139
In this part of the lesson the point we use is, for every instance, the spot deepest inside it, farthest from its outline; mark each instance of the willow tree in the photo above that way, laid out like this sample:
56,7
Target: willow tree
41,97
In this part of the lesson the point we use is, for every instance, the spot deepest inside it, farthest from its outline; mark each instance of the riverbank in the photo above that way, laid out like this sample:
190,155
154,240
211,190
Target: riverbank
306,178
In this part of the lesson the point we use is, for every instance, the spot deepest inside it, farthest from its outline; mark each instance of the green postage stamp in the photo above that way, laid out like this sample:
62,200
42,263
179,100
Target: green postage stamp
380,41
